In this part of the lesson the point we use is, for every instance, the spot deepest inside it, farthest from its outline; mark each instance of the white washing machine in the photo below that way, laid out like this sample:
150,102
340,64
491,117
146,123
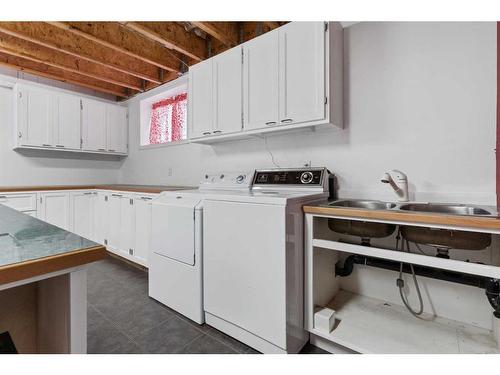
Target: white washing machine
253,258
176,256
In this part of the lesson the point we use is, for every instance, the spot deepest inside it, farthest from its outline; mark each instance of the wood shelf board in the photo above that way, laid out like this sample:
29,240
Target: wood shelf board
369,325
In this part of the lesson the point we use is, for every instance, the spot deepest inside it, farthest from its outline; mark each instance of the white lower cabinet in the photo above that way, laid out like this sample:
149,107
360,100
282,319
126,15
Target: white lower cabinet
101,217
142,228
54,208
82,206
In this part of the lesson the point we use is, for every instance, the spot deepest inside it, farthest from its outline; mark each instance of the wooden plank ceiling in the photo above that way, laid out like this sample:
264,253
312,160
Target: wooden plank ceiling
118,58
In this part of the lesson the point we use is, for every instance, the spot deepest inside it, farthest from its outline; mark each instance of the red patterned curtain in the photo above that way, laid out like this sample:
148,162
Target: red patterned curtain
168,120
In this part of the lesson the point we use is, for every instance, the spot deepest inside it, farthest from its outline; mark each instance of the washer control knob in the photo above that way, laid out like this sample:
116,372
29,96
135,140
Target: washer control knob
206,177
306,177
240,179
221,176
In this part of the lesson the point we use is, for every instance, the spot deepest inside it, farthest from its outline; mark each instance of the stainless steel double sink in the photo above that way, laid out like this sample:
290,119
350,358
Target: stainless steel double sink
438,208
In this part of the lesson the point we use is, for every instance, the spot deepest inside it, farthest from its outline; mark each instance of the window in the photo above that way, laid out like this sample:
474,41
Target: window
164,116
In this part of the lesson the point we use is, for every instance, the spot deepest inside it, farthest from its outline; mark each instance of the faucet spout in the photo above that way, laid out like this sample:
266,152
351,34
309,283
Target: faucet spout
399,183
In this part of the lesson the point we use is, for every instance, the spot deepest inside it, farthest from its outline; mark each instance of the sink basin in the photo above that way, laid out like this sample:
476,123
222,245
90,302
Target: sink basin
370,205
454,209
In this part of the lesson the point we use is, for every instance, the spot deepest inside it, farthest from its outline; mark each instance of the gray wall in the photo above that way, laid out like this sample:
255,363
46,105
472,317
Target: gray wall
47,167
419,97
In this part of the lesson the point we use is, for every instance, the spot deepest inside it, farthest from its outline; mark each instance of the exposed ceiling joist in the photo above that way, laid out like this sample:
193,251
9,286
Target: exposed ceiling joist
226,32
26,50
45,35
172,36
114,36
46,71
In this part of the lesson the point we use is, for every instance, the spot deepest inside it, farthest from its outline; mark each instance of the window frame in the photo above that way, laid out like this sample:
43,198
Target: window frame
172,88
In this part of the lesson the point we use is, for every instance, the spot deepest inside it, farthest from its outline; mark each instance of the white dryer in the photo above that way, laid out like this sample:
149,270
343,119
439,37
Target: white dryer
176,255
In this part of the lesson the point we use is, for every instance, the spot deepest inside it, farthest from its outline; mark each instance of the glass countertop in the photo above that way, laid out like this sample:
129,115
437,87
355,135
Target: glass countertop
24,238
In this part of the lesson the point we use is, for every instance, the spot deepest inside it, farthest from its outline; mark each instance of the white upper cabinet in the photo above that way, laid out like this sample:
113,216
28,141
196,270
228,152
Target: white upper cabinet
116,128
200,106
302,72
67,120
227,91
260,81
93,125
34,117
51,118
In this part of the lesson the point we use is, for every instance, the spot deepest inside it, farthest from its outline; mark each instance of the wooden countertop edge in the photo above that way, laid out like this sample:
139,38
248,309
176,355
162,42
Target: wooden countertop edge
19,189
36,267
410,217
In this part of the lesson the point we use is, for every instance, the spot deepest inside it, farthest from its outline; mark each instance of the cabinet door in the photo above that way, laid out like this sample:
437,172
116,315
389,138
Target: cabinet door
101,218
35,117
200,99
82,213
228,91
143,210
260,81
115,222
54,209
302,72
116,127
127,230
67,124
93,125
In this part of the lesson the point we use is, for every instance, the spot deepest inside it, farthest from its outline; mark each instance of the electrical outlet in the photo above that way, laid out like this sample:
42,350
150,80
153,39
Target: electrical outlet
170,171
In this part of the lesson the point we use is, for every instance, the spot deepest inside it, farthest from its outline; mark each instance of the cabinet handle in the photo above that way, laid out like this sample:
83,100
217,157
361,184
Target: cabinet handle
62,146
270,123
206,133
3,196
143,198
116,195
88,193
217,131
46,145
287,120
112,150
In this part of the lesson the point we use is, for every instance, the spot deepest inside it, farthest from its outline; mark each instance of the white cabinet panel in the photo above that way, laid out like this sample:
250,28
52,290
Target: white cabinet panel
302,72
82,213
127,230
19,202
54,209
260,81
93,125
200,99
114,208
35,113
228,91
101,217
142,228
116,127
67,124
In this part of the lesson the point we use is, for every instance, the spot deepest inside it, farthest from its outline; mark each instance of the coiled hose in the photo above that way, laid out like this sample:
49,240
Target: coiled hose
400,282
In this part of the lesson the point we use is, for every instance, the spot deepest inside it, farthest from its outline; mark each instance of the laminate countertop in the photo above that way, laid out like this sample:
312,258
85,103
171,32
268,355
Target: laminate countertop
487,223
30,247
150,189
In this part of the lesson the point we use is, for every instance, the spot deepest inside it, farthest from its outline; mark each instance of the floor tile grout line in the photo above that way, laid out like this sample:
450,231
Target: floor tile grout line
190,342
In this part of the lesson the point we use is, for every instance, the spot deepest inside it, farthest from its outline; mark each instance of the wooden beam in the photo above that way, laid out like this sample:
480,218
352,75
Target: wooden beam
26,50
60,75
114,36
172,36
226,32
62,41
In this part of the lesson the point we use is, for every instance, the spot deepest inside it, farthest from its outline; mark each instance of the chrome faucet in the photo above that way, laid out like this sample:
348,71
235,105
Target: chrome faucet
400,186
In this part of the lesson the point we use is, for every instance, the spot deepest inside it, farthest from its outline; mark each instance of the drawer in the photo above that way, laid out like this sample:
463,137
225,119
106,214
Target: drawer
20,202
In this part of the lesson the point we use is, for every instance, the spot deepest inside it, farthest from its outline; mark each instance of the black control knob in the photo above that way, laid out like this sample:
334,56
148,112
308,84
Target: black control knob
240,179
306,177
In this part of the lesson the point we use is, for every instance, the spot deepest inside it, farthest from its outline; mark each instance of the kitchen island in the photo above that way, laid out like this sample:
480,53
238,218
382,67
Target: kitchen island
43,292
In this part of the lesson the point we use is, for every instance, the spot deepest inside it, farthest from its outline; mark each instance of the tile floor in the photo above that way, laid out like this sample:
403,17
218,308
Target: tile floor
123,319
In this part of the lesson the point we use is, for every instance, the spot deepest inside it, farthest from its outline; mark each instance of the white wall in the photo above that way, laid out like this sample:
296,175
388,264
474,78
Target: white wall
33,167
419,97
